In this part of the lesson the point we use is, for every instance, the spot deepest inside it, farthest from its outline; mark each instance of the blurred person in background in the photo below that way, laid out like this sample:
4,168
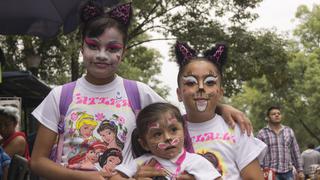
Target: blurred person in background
310,160
13,141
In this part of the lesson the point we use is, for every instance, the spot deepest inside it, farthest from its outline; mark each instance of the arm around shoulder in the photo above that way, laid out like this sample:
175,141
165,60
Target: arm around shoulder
232,115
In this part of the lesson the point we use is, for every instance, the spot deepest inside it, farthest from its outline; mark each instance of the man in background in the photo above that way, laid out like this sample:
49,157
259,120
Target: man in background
283,150
310,160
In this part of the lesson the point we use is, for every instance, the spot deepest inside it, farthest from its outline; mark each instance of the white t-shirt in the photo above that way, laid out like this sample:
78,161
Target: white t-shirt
228,149
193,163
98,122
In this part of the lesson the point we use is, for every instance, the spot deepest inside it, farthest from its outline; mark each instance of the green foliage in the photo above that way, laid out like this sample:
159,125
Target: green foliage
309,28
171,17
287,74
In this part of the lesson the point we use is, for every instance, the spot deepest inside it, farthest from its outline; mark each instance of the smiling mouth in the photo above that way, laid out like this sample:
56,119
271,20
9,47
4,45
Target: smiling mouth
103,65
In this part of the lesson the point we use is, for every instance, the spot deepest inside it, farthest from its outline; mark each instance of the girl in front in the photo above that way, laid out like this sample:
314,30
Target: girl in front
160,134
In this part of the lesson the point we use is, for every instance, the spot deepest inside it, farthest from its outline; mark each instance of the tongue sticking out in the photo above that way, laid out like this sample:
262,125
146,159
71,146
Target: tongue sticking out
201,105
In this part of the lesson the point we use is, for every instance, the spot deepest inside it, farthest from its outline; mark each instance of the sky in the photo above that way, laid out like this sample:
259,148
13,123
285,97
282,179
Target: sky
277,14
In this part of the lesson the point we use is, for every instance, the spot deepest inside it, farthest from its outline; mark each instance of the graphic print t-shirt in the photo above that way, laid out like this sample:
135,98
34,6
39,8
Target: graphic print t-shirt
227,149
98,123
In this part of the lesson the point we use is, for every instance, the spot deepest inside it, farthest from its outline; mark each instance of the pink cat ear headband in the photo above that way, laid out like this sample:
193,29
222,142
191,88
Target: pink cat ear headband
121,13
185,53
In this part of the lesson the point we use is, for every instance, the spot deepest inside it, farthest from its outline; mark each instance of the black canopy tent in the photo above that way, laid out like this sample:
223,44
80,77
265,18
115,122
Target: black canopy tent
29,88
23,84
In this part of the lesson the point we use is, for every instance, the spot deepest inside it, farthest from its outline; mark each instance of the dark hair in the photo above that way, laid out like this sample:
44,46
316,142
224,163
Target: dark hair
147,115
96,27
181,69
94,20
103,159
311,146
271,108
217,55
106,124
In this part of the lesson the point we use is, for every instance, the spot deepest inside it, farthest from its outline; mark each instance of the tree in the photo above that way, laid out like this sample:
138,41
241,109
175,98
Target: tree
293,86
170,17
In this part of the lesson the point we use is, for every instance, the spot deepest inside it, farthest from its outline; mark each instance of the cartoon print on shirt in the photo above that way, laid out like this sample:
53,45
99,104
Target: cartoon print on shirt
87,159
112,132
85,125
211,157
218,138
110,159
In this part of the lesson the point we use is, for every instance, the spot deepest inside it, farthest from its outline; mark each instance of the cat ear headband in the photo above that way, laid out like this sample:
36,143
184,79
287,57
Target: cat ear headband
93,9
185,53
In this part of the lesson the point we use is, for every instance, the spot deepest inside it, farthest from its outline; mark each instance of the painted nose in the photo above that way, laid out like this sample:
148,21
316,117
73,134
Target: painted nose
201,86
102,55
167,136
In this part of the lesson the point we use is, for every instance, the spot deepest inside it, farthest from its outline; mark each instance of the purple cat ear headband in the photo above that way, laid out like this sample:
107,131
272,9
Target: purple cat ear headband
121,13
185,53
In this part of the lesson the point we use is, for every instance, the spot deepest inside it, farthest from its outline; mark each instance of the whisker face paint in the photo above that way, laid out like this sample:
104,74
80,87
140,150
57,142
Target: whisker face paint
164,145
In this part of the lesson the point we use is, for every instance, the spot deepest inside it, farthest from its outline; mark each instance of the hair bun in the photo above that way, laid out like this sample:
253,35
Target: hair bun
90,10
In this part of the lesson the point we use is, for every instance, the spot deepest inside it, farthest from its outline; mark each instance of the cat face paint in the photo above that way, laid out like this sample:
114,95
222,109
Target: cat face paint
200,97
164,145
200,88
102,55
164,137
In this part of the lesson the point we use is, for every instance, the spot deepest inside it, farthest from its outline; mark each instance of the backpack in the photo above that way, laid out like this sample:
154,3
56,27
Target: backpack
131,89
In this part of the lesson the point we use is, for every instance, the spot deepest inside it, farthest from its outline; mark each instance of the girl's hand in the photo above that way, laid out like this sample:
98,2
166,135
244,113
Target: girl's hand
106,172
146,172
232,115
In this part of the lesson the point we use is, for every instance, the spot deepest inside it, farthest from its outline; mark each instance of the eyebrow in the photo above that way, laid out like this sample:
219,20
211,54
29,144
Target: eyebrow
210,74
95,40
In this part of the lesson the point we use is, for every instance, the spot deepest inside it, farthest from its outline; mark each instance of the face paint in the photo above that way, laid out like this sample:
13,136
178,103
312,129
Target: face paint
154,125
189,80
171,120
163,145
111,46
210,80
107,53
201,105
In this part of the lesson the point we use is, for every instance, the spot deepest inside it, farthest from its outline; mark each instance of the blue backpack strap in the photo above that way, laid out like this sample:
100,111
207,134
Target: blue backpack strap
133,95
187,139
65,101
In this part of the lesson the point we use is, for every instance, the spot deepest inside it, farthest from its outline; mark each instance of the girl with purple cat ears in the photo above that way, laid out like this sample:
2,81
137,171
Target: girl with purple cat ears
200,90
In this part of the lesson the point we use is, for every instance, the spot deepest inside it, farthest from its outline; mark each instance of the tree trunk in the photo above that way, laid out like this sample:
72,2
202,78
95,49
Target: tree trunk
74,67
309,131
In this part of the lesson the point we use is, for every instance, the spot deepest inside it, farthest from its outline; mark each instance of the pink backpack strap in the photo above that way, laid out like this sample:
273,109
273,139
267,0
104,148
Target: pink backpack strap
65,101
187,139
132,91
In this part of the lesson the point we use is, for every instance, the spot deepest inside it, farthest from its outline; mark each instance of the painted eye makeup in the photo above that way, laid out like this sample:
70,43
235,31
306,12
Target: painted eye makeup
91,43
112,47
189,80
211,80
